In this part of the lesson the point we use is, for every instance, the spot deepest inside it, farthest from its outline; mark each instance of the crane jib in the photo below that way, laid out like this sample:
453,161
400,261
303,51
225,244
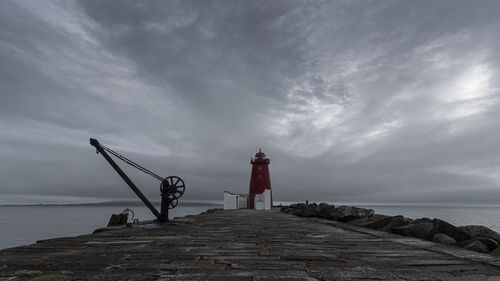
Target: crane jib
172,187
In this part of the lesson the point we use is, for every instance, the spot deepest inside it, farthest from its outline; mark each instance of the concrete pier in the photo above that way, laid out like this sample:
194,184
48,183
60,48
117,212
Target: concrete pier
244,245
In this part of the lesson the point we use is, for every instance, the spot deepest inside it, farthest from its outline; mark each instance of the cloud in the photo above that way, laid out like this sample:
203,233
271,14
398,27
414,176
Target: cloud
387,102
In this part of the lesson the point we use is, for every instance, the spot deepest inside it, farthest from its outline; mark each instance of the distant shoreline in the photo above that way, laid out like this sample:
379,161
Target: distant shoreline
112,203
282,203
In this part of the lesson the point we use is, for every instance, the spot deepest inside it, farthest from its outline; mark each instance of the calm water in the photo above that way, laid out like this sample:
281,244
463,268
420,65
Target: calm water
21,225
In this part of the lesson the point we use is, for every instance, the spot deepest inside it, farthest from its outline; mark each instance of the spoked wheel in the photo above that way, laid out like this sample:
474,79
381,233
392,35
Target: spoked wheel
173,187
172,203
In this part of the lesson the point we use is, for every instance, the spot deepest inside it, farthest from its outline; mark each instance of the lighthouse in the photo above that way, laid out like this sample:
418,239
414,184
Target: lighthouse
260,183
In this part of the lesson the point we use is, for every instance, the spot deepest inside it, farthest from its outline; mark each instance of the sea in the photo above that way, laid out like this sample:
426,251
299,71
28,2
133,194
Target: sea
26,224
22,225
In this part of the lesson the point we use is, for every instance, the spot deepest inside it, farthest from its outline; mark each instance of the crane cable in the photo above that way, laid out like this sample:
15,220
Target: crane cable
132,163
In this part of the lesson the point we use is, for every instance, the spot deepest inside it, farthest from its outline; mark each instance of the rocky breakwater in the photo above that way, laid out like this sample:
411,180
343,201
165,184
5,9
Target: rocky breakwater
473,237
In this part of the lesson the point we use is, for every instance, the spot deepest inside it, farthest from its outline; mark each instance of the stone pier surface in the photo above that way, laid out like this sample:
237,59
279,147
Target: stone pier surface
244,245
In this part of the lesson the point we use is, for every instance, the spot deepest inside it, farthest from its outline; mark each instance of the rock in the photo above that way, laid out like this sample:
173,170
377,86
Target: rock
300,209
443,239
378,217
117,219
452,231
490,243
296,205
426,228
348,213
285,209
213,210
420,228
359,221
296,209
477,246
387,223
378,224
324,210
495,252
423,220
365,221
481,231
309,210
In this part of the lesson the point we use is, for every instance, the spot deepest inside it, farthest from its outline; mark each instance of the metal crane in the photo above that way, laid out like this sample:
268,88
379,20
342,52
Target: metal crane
171,187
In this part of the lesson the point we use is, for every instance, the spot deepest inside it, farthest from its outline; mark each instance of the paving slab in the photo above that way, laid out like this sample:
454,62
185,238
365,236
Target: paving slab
244,245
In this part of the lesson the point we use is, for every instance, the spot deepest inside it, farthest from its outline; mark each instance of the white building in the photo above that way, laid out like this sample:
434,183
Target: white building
235,201
242,201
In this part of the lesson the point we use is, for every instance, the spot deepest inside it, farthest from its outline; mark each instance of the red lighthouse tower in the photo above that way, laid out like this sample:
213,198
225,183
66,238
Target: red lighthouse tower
260,182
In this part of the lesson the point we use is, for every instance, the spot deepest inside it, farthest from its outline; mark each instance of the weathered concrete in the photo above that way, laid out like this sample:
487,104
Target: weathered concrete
244,245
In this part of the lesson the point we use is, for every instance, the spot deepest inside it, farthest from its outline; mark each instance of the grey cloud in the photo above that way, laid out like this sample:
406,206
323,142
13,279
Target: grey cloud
390,101
211,41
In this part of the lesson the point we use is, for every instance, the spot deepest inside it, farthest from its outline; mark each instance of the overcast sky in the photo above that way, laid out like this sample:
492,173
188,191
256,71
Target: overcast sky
357,101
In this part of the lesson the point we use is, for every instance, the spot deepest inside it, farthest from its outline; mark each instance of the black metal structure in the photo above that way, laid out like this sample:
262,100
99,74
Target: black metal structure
171,187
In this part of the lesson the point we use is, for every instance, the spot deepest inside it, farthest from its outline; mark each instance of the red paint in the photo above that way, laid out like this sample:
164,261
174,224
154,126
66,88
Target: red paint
260,178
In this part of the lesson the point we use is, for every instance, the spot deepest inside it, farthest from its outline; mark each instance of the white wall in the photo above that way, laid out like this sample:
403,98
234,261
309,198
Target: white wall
267,199
242,202
263,201
259,201
230,201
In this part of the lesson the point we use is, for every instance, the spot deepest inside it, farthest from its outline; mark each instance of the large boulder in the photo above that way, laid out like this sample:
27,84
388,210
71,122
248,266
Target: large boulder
443,239
426,228
387,223
294,209
348,213
495,252
477,246
480,231
378,217
301,209
366,221
325,211
359,221
285,209
452,231
490,243
419,228
309,210
298,209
